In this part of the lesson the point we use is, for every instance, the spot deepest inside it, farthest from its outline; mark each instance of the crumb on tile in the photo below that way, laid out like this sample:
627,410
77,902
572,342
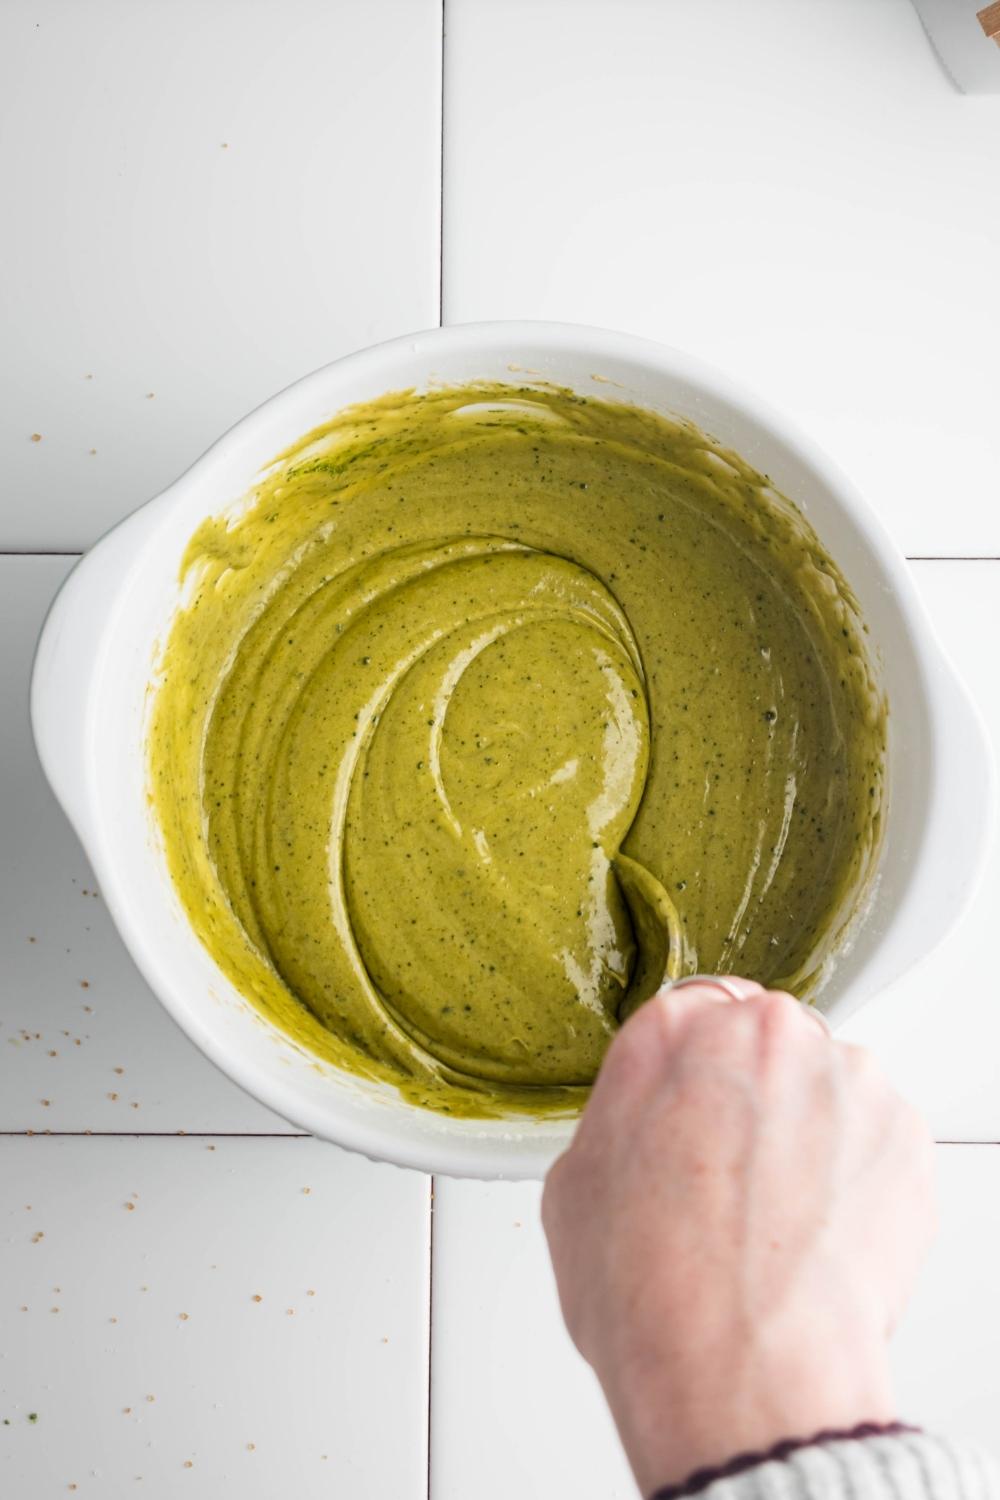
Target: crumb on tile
307,1190
130,1207
119,1070
188,1464
251,1447
310,1294
150,1398
256,1297
112,1097
85,984
38,1236
183,1317
36,437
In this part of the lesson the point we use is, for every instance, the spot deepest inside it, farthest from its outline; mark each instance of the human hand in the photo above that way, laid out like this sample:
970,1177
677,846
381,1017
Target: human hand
736,1229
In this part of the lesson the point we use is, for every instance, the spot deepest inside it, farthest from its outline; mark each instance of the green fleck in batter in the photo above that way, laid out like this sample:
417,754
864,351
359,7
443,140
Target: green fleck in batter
490,706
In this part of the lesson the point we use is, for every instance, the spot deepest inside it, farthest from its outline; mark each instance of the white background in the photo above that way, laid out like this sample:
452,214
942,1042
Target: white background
203,201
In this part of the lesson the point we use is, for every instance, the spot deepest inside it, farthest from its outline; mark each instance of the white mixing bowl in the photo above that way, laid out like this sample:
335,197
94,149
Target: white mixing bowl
96,660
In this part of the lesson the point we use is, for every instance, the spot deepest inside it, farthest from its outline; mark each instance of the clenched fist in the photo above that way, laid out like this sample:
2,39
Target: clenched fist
736,1229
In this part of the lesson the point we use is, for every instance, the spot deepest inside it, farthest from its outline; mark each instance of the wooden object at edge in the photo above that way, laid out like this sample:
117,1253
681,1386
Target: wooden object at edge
989,20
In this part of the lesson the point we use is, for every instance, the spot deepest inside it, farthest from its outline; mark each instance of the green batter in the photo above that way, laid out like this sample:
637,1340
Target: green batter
490,705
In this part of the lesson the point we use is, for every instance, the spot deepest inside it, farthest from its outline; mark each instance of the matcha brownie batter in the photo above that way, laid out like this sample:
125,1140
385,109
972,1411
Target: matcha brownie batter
489,705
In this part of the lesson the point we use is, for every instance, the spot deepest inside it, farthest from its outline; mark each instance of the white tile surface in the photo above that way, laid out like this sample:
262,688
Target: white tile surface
946,1355
938,1029
514,1409
211,1226
210,201
221,198
791,189
84,1045
516,1412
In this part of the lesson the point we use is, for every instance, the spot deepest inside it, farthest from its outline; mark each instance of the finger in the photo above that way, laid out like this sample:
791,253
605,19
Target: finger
713,987
789,1007
653,1027
639,1057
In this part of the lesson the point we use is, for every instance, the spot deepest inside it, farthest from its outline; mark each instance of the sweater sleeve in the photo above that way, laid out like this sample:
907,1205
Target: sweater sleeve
902,1465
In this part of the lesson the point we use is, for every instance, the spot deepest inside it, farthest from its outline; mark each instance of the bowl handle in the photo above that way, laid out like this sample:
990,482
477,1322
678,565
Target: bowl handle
962,815
68,662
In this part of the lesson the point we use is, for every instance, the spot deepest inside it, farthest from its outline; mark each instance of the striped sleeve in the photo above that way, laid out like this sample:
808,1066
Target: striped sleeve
901,1464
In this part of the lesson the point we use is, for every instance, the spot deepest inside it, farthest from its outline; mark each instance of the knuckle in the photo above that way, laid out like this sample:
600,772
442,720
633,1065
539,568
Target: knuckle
919,1129
779,1008
720,1021
860,1063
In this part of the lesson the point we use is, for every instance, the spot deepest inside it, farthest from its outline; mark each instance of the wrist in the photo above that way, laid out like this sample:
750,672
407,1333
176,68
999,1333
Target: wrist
677,1417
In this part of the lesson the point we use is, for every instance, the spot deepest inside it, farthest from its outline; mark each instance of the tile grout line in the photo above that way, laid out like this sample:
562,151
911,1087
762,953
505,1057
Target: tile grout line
430,1216
274,1135
907,557
430,1330
167,1135
444,4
